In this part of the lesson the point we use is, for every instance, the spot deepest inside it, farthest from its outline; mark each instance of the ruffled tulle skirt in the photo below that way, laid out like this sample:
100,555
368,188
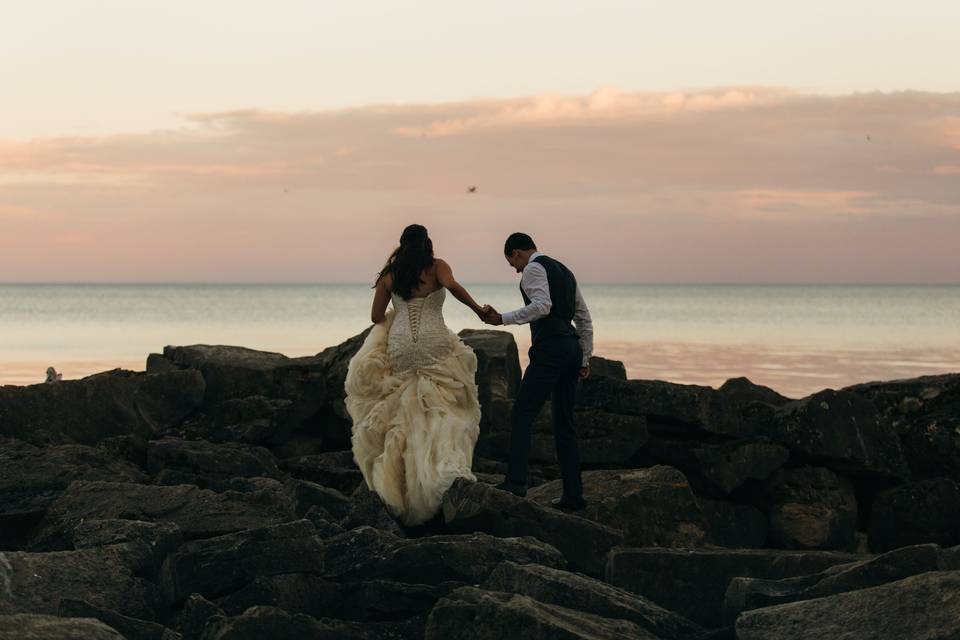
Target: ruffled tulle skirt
413,432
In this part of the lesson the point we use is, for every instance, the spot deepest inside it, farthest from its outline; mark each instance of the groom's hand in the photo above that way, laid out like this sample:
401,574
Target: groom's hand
490,315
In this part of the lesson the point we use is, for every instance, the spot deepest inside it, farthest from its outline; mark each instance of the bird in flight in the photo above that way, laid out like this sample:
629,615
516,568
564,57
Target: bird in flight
471,189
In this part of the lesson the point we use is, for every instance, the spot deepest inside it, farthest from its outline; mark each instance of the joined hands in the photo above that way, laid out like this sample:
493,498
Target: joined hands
490,315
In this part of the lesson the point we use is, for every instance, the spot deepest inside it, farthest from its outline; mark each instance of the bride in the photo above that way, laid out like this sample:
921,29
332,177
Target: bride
410,389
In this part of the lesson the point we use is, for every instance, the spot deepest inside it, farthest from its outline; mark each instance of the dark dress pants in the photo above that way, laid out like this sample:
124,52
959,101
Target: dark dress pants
553,374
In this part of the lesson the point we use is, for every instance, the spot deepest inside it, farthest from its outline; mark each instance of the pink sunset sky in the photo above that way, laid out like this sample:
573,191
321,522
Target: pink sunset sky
119,163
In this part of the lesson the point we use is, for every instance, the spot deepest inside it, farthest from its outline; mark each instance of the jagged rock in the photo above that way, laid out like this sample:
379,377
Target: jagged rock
25,626
106,404
308,494
498,364
653,507
581,593
33,477
734,525
472,506
255,420
925,413
217,566
475,614
367,508
105,576
812,508
195,614
730,465
693,582
320,598
745,594
430,560
131,628
335,469
336,360
198,513
842,431
269,622
155,540
738,408
603,438
924,607
323,521
210,463
607,368
924,511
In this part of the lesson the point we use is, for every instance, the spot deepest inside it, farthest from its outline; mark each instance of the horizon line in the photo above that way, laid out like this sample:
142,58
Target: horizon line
478,282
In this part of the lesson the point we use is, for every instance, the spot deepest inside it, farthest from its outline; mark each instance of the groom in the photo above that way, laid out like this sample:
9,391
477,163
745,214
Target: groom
559,356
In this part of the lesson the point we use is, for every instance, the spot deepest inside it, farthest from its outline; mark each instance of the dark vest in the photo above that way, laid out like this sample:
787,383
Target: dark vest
563,298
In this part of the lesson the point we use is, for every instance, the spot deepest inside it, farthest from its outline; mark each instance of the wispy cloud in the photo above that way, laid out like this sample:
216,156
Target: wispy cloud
663,185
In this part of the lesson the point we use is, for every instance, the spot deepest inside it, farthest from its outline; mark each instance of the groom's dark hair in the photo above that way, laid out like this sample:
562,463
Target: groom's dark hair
519,242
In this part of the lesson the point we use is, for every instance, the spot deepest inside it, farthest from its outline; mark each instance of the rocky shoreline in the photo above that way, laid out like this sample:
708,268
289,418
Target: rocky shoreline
214,496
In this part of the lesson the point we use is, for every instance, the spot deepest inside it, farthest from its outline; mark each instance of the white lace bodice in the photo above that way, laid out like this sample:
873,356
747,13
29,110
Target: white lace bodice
419,335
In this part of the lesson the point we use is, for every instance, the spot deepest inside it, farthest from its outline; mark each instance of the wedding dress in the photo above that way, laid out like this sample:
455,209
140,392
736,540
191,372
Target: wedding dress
411,392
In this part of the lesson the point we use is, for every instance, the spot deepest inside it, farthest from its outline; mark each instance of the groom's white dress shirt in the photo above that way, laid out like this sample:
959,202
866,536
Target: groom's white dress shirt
535,285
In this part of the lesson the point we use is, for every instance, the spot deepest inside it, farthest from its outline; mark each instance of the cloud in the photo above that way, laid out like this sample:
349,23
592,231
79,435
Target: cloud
641,181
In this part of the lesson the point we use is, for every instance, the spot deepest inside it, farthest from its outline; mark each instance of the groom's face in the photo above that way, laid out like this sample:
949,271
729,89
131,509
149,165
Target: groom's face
515,260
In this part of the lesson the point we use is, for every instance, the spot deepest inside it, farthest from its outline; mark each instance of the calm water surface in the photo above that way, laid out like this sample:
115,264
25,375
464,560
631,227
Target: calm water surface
795,338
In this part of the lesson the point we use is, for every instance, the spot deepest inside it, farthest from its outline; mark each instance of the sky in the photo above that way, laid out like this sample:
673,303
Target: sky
637,141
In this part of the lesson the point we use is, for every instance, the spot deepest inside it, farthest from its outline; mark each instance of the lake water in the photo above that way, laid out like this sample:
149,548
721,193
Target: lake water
794,338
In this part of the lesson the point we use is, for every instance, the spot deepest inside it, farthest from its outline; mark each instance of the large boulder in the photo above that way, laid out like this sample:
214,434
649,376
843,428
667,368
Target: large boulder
476,614
925,413
32,477
207,465
693,582
603,438
738,408
918,512
652,507
498,364
843,431
27,626
922,607
216,566
581,593
360,556
199,513
475,506
744,594
812,508
131,628
105,576
106,404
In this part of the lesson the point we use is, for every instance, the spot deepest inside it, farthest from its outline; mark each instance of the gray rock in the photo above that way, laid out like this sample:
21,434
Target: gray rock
195,614
842,431
729,465
105,576
475,506
335,469
745,594
154,540
653,507
197,512
693,582
366,508
925,413
581,593
498,364
131,628
475,614
106,404
812,508
918,512
269,622
603,438
735,525
25,626
432,560
924,607
607,368
217,566
210,463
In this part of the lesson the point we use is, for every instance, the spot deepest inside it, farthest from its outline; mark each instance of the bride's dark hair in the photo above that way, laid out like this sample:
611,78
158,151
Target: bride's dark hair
407,261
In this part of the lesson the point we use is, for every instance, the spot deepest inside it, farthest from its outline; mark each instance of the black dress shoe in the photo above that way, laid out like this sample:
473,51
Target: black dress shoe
567,504
515,489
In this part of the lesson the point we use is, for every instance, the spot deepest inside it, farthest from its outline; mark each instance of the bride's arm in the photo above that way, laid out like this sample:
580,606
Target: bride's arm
448,282
381,298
